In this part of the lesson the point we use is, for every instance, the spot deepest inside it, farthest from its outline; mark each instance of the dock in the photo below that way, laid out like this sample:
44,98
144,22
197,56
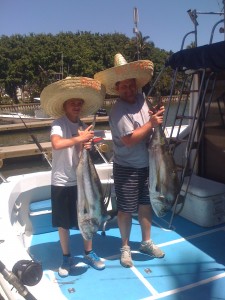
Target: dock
47,123
8,152
24,150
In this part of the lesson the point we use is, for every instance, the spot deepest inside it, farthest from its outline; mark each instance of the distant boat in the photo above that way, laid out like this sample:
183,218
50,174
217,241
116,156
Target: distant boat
37,99
17,117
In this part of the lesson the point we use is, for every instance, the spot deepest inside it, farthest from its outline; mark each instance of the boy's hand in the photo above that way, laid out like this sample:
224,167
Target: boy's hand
86,135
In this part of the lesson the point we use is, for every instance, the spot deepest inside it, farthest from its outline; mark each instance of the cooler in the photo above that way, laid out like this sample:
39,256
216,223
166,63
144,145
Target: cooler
204,203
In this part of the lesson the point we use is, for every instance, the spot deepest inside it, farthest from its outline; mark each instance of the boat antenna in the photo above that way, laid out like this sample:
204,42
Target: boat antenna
135,30
193,15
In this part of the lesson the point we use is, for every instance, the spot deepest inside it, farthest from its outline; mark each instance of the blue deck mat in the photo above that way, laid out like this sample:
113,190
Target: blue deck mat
191,268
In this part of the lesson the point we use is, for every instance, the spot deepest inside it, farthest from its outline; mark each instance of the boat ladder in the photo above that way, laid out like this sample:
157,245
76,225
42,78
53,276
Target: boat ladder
195,88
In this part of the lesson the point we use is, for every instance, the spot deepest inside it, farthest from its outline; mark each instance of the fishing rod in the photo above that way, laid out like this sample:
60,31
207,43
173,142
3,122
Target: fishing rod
36,141
24,272
1,175
16,282
95,140
2,178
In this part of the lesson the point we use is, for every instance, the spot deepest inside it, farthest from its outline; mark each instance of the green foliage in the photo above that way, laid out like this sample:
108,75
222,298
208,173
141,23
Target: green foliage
34,61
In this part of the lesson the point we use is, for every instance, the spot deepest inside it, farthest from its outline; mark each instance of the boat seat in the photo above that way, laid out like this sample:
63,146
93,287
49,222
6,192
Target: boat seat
40,213
40,207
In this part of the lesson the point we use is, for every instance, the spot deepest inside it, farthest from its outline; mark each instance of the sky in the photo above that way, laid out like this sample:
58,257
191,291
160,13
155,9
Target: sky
166,22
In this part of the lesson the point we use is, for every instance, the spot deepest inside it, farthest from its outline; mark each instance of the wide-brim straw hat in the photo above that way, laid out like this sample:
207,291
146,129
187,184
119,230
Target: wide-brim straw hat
141,70
90,90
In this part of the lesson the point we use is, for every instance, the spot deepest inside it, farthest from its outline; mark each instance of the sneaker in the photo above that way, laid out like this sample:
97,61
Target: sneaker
67,264
126,259
151,249
94,261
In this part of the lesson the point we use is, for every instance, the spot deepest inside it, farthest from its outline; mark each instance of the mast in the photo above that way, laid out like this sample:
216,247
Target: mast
62,66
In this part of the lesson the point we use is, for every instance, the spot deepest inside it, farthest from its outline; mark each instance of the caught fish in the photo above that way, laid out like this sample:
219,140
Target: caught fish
163,178
90,203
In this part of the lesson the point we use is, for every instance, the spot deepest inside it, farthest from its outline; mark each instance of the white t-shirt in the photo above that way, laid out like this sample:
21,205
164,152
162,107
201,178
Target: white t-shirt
65,161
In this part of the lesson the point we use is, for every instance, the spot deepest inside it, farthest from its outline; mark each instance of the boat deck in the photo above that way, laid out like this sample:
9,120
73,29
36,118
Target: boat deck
193,267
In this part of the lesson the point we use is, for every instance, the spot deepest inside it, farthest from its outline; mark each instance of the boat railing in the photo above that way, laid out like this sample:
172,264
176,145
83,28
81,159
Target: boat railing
213,30
193,14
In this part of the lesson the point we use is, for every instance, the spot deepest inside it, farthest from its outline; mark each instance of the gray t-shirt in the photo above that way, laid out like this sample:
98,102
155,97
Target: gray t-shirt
65,161
124,119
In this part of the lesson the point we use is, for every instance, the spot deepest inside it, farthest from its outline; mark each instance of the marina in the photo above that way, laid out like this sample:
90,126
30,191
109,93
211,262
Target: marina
192,233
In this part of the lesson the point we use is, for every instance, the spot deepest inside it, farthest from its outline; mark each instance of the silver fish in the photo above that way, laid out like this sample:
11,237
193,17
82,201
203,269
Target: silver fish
90,203
163,177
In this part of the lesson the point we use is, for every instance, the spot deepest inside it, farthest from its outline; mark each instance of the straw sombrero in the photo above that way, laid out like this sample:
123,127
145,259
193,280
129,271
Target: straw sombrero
141,70
90,90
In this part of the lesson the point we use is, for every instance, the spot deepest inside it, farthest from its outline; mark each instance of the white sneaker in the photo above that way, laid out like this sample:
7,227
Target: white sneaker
126,259
64,269
151,249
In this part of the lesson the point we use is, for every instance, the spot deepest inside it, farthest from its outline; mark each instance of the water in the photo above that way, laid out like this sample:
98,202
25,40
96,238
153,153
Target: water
23,137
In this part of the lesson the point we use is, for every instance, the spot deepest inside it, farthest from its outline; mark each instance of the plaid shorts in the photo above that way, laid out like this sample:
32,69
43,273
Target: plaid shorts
131,187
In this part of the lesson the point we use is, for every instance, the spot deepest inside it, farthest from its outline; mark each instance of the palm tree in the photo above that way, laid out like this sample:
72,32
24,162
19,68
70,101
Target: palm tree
142,45
139,47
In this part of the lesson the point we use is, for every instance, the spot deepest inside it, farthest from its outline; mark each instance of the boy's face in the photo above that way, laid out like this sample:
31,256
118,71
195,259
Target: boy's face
127,90
72,108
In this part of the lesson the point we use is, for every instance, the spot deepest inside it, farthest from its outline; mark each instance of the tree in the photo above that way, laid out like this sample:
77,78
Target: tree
32,62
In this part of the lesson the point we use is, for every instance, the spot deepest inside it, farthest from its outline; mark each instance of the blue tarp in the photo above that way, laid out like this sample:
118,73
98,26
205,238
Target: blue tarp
208,56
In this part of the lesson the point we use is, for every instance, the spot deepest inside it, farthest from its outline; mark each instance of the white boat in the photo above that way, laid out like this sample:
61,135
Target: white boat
193,265
15,118
193,243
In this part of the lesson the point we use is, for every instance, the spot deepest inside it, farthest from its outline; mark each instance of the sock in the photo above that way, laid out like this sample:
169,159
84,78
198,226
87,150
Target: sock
145,242
87,252
66,255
